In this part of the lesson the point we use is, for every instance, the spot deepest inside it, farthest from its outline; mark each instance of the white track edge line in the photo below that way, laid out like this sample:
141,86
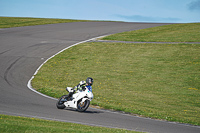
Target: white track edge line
29,82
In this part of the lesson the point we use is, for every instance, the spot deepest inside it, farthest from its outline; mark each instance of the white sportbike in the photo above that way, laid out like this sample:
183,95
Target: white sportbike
80,100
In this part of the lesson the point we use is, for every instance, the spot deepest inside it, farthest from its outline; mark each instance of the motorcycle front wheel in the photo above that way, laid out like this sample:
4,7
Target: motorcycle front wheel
60,102
82,107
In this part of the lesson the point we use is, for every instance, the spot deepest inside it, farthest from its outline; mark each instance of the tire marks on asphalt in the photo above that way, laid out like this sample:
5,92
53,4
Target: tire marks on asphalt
8,69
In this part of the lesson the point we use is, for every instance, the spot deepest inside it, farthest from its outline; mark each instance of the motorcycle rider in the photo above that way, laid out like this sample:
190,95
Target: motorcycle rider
81,86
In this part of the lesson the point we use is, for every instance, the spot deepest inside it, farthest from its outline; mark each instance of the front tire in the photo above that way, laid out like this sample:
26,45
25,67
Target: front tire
82,107
60,102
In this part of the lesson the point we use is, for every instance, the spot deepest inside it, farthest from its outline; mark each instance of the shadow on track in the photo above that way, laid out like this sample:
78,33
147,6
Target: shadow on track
87,111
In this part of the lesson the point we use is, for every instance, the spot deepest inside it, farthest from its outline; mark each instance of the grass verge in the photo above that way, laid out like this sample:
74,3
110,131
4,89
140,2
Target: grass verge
161,81
13,124
167,33
8,22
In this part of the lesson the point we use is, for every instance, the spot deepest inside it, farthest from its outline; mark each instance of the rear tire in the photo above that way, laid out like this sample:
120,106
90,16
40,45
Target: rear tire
82,107
60,102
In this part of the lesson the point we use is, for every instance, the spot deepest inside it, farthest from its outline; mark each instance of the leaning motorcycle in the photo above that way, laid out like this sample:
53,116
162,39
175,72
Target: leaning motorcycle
80,100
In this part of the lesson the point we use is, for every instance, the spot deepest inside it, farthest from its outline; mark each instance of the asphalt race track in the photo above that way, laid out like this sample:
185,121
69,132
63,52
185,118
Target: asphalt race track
24,49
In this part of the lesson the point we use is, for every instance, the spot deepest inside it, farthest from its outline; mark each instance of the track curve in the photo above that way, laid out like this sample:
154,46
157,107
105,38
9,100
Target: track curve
24,49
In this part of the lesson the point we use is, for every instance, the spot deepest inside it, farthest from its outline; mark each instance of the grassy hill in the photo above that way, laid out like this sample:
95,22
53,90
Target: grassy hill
8,22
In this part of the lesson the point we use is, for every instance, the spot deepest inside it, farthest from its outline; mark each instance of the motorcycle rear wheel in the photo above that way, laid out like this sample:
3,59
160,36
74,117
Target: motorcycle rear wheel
82,107
60,102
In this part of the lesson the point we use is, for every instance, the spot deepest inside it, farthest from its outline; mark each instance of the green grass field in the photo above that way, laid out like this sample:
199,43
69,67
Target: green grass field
167,33
17,124
152,80
8,22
